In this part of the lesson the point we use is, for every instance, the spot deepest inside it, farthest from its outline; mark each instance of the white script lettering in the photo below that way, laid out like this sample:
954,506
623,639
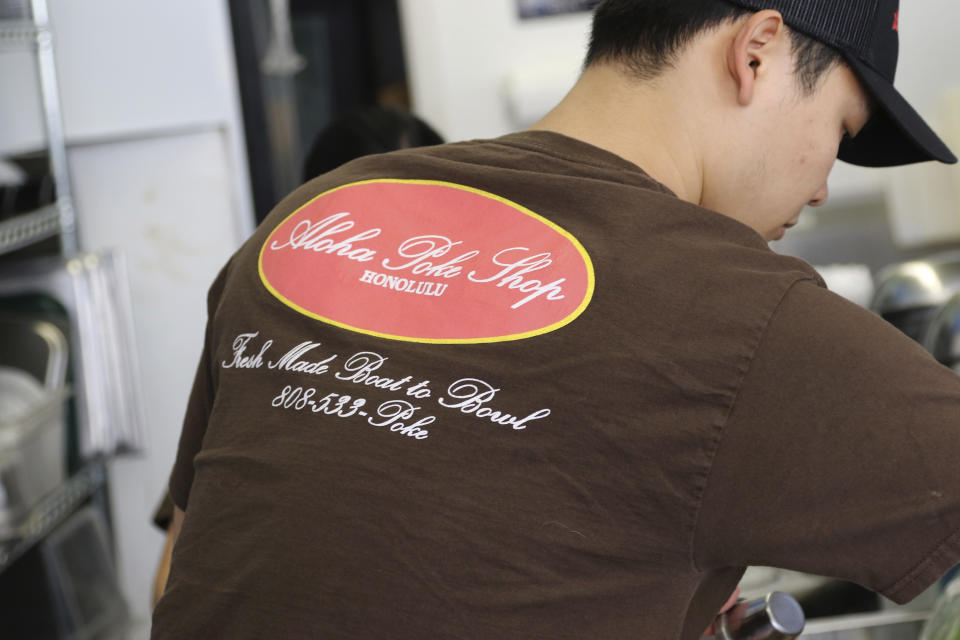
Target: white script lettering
511,276
395,410
318,237
240,361
419,249
469,395
291,360
359,370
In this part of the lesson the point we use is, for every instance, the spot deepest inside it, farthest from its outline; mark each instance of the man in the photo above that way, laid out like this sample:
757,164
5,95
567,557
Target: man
363,131
556,385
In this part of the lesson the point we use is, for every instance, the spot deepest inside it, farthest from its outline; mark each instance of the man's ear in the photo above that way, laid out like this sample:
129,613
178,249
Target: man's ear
750,50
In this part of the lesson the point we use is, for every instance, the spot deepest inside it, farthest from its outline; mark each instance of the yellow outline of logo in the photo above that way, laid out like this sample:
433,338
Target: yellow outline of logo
588,297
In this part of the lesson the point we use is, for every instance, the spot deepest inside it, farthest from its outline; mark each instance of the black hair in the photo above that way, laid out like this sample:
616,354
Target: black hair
647,36
368,130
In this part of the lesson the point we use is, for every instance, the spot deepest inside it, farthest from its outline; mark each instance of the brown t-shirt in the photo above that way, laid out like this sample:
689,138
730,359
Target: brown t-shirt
517,389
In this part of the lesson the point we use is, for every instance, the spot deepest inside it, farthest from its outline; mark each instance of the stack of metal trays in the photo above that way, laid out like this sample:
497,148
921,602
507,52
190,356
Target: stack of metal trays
93,290
33,365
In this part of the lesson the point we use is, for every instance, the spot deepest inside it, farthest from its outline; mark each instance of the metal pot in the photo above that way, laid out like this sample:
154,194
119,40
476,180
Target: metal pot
909,295
943,334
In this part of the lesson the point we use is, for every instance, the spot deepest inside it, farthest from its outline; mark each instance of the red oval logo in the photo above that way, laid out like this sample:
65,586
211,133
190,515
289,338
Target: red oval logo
427,261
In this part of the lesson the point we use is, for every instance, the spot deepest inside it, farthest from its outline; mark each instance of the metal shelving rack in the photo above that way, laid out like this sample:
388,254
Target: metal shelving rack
28,228
51,511
58,218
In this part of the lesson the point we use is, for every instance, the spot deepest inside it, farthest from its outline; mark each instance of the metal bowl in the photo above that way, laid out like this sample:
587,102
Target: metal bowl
908,295
943,334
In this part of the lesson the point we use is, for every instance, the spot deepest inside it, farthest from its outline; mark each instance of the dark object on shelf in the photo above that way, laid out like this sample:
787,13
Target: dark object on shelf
35,191
837,598
71,576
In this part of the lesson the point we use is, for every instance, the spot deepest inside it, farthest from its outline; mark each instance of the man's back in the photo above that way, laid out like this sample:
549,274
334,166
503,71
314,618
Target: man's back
517,440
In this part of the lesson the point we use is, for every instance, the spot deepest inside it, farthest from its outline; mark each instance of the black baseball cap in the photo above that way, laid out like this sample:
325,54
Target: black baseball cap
866,33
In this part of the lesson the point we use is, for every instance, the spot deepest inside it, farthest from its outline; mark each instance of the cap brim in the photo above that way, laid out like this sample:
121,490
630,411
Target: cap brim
896,134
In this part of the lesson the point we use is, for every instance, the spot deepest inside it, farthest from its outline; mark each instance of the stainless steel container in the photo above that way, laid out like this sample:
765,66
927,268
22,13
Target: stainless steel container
908,295
943,334
33,360
777,616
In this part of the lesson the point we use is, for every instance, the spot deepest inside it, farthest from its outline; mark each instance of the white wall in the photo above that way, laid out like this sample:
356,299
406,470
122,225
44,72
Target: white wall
927,70
462,54
156,149
126,68
166,200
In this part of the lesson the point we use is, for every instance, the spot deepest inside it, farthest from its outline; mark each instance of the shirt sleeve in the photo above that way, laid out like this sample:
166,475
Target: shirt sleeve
199,405
840,456
163,514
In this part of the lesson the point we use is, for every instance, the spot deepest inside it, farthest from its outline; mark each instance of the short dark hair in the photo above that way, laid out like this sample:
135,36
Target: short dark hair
647,35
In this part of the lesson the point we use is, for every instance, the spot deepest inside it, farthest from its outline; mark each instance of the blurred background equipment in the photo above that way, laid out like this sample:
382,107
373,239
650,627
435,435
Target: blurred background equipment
69,380
377,129
943,335
539,8
944,623
909,294
352,56
281,58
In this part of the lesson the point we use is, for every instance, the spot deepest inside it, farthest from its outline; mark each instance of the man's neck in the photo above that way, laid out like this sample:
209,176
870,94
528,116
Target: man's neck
644,123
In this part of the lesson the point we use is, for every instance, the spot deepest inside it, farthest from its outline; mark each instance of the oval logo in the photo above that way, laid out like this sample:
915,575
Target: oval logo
427,261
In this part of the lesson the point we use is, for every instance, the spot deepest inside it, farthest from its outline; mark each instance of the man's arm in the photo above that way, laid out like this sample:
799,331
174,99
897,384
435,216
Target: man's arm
732,600
163,569
857,433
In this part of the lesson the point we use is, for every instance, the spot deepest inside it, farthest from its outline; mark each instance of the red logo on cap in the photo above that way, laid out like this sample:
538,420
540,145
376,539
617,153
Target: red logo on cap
896,21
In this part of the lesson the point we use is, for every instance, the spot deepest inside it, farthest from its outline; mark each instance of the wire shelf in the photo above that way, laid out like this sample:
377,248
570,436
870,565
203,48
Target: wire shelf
27,228
19,34
51,511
